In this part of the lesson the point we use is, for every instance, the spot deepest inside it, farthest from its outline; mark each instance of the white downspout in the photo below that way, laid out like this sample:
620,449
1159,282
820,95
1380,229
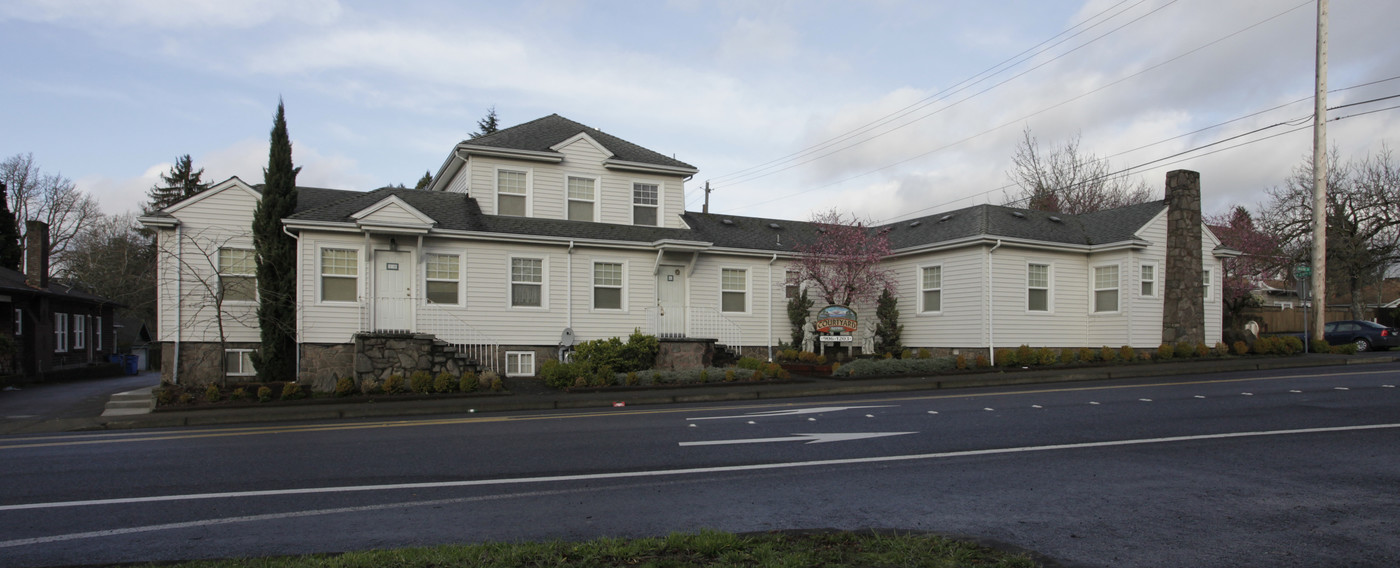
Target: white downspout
297,353
570,285
991,311
179,274
770,306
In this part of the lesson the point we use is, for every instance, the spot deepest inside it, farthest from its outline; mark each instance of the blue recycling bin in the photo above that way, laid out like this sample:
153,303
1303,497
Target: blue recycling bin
115,358
131,361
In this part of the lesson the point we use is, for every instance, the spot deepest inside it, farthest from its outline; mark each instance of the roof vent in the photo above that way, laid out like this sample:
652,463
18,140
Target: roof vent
821,229
1018,214
1056,219
944,218
728,221
774,226
915,224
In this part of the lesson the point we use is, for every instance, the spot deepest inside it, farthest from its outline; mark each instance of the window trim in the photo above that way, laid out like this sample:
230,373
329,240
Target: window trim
748,285
1094,289
660,202
791,291
543,283
595,202
219,270
593,286
460,279
60,332
1208,282
97,334
1049,287
19,321
529,188
1156,280
79,326
520,357
240,354
919,278
321,275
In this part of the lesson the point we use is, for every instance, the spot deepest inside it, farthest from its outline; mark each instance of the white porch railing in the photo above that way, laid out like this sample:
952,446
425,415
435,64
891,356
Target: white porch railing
391,314
706,323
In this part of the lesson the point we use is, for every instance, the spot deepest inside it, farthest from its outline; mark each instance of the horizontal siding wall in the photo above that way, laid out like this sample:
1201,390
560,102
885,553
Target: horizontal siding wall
330,322
219,220
960,320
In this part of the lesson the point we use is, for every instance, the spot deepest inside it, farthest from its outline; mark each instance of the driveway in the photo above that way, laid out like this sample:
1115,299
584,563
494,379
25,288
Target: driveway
41,402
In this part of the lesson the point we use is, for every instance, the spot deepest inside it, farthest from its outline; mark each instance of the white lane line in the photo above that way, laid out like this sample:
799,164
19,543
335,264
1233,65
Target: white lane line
1145,399
1295,391
1200,396
1341,388
1036,406
1094,403
1247,393
684,471
791,412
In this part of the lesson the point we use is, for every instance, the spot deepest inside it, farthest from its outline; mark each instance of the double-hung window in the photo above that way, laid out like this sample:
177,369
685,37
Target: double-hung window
444,278
527,282
1147,276
645,202
340,269
792,287
1206,281
607,286
79,331
931,289
1106,288
582,198
1037,287
60,332
734,290
512,192
238,281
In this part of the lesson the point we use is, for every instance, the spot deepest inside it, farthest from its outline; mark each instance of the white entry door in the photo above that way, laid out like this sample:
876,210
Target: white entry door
670,301
393,290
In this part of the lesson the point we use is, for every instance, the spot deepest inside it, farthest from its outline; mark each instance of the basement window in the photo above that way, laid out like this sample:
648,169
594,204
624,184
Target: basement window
520,363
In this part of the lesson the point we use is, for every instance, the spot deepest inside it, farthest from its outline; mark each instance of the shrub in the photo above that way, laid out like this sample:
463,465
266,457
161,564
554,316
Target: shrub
264,394
292,391
1025,355
497,385
1108,354
632,379
924,353
982,361
729,375
1320,346
835,367
655,377
579,382
1221,349
776,371
421,382
1288,345
1006,357
748,363
344,386
1240,348
1202,350
1184,350
213,394
1047,356
558,374
807,357
445,382
186,398
704,376
468,382
789,355
603,377
238,394
756,376
371,386
1068,356
165,394
1344,349
961,361
888,355
1262,346
821,359
1165,351
489,379
637,354
1087,355
393,384
906,354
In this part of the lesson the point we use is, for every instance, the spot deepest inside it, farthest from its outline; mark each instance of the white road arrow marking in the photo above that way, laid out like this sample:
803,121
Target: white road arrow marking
808,438
790,412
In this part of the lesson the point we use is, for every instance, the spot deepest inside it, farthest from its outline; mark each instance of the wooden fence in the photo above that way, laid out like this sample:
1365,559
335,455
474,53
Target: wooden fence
1273,319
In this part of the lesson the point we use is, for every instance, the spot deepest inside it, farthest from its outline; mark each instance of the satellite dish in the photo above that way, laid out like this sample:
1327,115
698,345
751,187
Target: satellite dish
567,339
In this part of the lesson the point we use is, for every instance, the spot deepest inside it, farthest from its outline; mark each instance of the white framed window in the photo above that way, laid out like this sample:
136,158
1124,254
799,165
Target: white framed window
520,363
1147,280
80,331
1037,287
340,275
1207,282
60,332
608,285
931,289
19,321
526,282
583,199
646,204
734,290
513,192
97,334
238,281
444,278
791,287
1106,288
239,363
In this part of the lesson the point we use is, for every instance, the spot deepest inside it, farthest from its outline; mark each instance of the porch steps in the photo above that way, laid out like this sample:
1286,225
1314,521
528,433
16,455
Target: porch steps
139,401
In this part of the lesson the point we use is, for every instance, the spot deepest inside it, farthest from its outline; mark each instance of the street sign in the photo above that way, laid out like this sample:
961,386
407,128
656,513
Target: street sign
1302,271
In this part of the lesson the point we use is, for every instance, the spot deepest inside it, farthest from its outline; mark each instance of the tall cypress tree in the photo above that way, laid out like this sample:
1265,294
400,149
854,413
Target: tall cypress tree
10,251
276,259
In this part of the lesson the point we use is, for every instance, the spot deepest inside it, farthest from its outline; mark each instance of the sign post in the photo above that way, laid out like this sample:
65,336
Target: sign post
1302,274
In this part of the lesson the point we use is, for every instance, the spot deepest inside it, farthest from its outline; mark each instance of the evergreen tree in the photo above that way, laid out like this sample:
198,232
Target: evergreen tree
182,182
799,309
486,125
424,181
10,251
276,259
888,329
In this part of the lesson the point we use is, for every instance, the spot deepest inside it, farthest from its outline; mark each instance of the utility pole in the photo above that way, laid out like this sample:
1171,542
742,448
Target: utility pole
706,207
1319,209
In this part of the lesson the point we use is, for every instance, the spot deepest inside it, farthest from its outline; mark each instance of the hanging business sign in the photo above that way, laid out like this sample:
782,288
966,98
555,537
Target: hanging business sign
835,319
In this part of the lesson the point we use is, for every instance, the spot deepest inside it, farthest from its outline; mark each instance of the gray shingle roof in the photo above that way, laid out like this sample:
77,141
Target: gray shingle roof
13,281
541,134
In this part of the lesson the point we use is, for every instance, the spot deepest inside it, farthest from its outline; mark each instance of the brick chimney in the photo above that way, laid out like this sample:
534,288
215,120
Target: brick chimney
1183,298
36,254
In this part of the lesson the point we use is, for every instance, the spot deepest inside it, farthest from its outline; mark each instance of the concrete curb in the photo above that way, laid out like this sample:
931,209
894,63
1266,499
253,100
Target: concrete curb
558,401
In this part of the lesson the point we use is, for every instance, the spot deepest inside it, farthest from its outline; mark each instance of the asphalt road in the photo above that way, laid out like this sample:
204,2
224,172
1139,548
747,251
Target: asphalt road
1283,468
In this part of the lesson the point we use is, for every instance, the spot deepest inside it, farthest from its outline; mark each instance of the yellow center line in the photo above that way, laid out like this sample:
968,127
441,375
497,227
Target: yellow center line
263,430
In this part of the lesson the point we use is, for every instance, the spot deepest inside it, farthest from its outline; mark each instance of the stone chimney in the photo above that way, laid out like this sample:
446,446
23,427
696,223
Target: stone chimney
1183,298
36,254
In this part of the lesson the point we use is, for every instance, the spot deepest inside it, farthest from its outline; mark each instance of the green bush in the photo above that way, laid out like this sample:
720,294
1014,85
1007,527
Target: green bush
1068,356
371,386
757,375
1108,354
924,353
393,384
186,398
264,394
1046,356
748,363
637,354
468,382
445,382
1184,350
1025,355
1240,348
729,376
344,386
1087,355
807,357
1320,346
213,394
292,391
1344,349
239,394
1202,350
1127,353
1221,349
1289,345
632,379
704,375
982,361
421,382
961,361
1006,357
886,367
1165,351
906,354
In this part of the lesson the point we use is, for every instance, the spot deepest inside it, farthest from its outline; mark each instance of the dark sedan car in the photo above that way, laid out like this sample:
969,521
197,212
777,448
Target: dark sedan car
1366,335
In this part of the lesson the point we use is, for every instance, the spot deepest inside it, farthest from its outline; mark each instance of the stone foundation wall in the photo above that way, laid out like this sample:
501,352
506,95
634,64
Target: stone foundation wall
201,364
678,354
379,356
323,363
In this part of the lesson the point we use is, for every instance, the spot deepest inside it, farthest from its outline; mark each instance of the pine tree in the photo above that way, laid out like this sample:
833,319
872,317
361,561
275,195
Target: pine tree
10,250
424,181
888,329
182,182
276,259
486,125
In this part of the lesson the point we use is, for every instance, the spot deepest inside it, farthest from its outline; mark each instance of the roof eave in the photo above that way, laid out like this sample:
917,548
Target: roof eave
465,149
625,165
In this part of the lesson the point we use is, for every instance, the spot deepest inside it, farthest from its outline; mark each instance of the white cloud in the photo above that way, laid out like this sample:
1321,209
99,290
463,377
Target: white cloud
751,39
172,14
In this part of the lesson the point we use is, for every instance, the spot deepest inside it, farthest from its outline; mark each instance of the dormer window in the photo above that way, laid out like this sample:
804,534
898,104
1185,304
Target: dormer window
582,198
645,202
512,193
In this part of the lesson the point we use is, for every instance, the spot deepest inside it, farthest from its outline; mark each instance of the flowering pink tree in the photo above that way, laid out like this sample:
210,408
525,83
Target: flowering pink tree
1261,257
843,262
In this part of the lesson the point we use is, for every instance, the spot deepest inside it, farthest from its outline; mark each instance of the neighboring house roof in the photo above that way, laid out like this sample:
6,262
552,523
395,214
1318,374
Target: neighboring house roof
13,281
542,134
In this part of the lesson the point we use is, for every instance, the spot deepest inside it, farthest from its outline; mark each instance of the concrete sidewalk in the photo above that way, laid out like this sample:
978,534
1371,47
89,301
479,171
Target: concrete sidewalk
540,398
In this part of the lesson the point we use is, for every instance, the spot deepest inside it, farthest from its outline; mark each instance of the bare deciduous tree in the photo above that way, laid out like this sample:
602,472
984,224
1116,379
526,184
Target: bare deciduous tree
112,259
51,198
1065,179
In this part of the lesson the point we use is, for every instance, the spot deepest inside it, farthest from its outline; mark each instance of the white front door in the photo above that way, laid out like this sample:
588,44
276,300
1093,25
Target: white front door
670,301
393,290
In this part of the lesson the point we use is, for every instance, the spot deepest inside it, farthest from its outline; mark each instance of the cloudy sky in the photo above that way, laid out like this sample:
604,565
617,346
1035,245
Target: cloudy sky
882,107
